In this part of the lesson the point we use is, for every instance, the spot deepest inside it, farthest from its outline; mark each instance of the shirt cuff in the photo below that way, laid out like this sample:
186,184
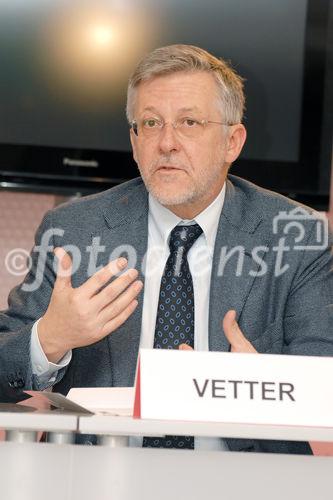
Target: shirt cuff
41,366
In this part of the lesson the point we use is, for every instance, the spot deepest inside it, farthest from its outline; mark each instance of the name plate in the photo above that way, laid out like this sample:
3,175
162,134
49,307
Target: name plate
232,387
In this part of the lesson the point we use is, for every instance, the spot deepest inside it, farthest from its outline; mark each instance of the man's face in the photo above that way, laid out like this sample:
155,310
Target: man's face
181,172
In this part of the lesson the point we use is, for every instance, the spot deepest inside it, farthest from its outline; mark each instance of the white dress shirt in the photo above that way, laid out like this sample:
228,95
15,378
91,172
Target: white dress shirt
41,366
160,223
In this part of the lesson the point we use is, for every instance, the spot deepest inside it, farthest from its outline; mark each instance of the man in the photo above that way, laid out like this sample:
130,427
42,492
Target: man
237,284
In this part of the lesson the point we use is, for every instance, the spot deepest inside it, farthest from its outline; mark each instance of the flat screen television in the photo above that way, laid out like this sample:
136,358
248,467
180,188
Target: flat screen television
65,65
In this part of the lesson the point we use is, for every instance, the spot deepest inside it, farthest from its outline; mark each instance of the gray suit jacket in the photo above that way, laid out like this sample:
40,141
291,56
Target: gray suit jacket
288,314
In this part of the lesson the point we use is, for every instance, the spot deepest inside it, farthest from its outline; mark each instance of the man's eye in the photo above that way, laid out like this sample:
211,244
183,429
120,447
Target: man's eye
189,122
150,123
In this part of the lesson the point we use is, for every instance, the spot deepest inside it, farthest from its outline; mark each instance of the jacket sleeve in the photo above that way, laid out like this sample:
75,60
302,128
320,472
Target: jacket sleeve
27,302
308,319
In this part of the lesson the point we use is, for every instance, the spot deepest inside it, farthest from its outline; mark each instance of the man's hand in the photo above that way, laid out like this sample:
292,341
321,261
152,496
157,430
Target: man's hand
185,347
78,317
234,334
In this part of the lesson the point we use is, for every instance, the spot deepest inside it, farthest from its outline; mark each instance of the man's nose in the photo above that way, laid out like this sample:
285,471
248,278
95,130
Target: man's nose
168,139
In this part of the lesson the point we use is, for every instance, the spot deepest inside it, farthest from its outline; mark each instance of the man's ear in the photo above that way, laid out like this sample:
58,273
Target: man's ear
235,142
133,142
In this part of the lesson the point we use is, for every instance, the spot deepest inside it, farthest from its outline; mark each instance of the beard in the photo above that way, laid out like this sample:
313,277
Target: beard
181,187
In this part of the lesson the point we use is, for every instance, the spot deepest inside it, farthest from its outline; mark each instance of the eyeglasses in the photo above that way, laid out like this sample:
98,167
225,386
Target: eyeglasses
186,127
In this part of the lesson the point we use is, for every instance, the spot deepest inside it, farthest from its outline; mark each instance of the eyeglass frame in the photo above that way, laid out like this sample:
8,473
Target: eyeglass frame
134,124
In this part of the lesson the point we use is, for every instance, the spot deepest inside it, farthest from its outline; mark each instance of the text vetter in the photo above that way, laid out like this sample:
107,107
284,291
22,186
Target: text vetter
244,389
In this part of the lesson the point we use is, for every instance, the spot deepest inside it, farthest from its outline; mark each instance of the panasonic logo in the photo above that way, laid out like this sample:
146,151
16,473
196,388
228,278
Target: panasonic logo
72,162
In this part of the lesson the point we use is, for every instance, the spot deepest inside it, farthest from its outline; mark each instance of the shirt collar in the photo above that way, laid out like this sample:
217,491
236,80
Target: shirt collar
164,220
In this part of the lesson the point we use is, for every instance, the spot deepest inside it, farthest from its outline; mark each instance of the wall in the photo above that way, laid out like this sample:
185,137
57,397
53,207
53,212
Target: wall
20,215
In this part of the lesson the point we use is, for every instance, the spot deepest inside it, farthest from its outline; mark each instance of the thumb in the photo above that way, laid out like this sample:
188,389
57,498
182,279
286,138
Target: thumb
185,347
234,334
64,268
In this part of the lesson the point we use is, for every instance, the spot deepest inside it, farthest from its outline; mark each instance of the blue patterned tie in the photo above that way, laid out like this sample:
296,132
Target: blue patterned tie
175,314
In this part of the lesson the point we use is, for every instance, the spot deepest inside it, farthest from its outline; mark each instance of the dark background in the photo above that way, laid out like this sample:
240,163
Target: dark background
64,71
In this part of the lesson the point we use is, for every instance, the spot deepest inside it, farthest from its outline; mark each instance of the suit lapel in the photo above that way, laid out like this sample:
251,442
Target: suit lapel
237,232
127,228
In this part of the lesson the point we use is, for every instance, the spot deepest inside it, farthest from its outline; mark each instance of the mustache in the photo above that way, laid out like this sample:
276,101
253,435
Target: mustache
166,162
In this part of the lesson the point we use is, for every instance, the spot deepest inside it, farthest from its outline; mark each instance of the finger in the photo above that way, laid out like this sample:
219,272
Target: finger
185,347
234,334
64,268
120,303
116,322
101,277
110,293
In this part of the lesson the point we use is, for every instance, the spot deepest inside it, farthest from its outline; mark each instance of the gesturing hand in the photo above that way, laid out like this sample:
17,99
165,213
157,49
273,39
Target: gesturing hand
78,317
234,334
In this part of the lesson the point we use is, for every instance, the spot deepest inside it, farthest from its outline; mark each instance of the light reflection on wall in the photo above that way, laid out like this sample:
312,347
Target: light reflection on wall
88,50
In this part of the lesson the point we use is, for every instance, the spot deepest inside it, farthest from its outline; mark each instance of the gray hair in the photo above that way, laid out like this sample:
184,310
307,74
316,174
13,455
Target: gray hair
175,58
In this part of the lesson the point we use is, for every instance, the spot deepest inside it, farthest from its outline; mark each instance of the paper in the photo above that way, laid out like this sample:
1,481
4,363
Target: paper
43,400
105,400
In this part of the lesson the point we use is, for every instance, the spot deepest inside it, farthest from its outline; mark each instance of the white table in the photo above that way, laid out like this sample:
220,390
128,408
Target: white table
122,427
35,471
31,471
23,427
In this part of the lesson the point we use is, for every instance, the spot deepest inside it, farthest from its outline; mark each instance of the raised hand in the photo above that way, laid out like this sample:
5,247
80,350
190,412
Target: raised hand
234,334
78,317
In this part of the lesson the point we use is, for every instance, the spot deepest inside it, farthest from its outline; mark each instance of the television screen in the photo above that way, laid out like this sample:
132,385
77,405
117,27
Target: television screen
65,66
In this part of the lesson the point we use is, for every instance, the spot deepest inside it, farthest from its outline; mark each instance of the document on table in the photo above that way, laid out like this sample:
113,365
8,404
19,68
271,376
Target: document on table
104,400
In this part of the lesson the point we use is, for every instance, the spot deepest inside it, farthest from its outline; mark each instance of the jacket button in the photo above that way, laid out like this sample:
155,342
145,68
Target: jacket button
16,384
20,383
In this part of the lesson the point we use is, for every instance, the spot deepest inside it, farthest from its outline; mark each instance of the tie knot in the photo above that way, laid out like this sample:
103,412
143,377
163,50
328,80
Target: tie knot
184,237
